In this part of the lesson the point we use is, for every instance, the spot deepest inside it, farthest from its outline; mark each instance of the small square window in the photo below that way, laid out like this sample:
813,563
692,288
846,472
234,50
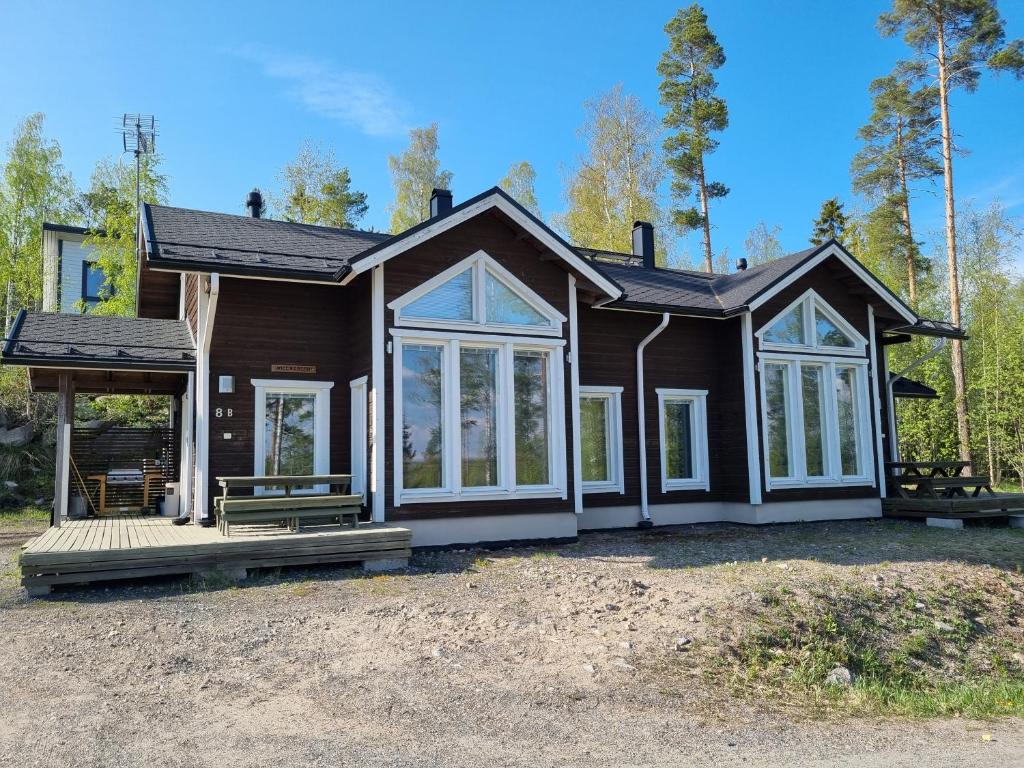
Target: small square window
682,417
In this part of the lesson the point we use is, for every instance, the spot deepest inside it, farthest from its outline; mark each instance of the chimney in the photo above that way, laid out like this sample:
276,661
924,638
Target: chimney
741,264
643,242
440,203
254,203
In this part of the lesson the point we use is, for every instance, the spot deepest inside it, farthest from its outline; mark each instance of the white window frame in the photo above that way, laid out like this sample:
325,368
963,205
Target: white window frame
481,264
321,391
698,439
811,301
612,396
451,490
795,422
359,419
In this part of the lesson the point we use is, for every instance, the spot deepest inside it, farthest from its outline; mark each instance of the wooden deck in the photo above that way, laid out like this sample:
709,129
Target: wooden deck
128,547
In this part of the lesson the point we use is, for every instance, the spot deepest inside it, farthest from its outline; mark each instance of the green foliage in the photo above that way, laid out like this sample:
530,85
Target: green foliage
830,224
110,208
317,191
616,182
415,174
520,183
688,90
34,188
762,244
123,410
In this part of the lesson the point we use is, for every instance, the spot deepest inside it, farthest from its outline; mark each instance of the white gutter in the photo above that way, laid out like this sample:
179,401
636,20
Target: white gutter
888,391
202,486
641,420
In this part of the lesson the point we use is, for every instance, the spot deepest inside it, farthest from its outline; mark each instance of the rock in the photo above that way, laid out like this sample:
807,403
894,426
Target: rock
919,606
17,437
622,664
10,485
590,669
840,677
682,643
611,607
943,626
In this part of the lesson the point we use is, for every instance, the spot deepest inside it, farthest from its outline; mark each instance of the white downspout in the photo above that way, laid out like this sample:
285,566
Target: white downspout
888,391
641,416
202,486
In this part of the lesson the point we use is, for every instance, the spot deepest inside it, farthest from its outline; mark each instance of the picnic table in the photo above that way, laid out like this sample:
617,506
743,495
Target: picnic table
936,480
294,503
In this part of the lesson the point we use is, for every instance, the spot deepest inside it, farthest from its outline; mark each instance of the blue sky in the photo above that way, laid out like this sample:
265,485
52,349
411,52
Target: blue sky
238,88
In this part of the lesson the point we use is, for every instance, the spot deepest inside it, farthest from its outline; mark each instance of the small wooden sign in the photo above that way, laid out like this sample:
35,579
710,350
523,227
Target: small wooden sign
281,368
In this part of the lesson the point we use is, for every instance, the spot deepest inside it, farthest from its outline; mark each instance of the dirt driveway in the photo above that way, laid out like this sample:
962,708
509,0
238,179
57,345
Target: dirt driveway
537,657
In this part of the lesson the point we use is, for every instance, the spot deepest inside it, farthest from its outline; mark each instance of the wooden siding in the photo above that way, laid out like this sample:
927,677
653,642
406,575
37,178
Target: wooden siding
504,243
847,295
690,353
192,302
158,292
261,323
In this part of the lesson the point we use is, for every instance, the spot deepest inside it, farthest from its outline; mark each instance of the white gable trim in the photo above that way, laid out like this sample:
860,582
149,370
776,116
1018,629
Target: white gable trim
480,263
870,280
493,200
816,303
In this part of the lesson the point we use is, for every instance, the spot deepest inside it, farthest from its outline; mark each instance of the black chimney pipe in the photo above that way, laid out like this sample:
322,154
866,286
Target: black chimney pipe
254,203
741,264
440,203
643,242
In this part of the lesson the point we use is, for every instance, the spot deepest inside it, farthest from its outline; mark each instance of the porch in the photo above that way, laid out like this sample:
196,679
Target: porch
135,546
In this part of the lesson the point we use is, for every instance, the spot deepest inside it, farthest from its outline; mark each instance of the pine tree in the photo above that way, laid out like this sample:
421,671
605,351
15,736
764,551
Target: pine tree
520,183
415,174
688,89
957,39
830,224
900,147
617,180
318,191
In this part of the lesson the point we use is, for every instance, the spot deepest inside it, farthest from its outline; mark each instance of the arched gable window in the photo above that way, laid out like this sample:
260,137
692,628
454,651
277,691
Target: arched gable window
809,324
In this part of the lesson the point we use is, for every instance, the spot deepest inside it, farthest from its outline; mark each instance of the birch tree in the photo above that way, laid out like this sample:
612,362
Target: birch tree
316,189
415,174
695,112
616,181
957,40
520,182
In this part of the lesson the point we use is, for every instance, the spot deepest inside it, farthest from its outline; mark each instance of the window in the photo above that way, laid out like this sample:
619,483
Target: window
93,279
292,429
682,421
477,293
601,439
810,324
477,418
815,421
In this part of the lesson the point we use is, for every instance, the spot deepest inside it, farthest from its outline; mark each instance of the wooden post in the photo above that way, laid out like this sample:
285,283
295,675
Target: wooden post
65,418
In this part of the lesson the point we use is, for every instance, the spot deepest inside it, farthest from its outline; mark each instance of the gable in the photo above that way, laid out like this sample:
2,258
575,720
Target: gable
810,324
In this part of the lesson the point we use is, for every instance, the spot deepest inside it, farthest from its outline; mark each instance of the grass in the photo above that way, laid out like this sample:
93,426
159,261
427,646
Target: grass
948,650
28,513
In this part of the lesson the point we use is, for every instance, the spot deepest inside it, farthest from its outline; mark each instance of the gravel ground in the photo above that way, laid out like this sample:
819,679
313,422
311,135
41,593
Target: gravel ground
529,656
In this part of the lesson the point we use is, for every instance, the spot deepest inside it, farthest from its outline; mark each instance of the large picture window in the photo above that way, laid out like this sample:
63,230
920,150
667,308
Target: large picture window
815,419
478,417
292,429
601,439
682,422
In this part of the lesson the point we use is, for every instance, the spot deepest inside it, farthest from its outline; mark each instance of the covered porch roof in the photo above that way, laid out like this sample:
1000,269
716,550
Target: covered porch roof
102,355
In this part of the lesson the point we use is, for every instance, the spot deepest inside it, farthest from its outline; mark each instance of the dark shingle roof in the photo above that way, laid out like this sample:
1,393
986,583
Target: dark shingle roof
189,239
94,341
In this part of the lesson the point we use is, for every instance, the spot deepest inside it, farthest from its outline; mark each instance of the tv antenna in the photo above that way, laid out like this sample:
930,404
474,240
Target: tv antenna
138,135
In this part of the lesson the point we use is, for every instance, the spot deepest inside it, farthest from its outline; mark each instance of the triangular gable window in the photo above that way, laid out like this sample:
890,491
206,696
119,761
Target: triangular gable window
480,293
452,300
809,323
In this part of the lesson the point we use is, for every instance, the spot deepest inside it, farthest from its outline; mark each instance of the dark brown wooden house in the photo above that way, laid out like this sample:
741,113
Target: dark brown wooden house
483,380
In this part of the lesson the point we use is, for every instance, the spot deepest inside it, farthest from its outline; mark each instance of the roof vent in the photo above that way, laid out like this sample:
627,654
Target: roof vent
440,203
741,264
643,242
254,204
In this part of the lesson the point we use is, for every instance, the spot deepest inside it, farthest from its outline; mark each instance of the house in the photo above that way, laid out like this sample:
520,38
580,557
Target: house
485,381
72,280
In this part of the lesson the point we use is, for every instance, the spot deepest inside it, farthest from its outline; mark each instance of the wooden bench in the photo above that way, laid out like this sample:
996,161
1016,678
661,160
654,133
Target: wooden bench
287,508
938,489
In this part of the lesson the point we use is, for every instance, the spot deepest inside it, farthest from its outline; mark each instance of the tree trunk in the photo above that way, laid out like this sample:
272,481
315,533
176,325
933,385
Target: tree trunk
702,188
957,357
911,247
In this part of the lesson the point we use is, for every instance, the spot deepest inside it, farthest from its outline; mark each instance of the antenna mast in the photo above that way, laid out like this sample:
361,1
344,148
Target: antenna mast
138,135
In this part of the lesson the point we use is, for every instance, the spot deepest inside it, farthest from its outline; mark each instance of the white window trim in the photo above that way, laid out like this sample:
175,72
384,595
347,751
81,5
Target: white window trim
795,422
480,263
698,440
613,440
359,419
321,390
452,489
812,301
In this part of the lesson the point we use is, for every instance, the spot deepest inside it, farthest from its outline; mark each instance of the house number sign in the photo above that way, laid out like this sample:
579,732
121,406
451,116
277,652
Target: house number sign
281,368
